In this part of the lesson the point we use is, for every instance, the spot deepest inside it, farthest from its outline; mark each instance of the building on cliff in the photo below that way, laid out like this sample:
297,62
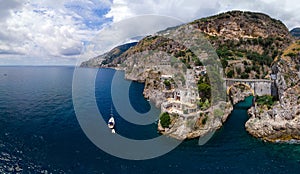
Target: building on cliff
182,101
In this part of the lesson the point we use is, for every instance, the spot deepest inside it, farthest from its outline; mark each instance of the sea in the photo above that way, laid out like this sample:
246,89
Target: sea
40,133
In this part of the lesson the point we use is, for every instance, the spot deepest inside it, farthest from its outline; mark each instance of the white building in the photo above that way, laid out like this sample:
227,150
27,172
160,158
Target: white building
182,101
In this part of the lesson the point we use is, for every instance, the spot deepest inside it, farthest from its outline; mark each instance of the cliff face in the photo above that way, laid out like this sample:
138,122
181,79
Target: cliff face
237,24
281,121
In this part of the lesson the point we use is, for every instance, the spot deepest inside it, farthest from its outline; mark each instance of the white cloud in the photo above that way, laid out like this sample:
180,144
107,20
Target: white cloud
287,10
44,29
48,31
182,9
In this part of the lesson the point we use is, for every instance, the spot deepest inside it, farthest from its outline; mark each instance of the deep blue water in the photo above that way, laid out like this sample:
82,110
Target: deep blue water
39,131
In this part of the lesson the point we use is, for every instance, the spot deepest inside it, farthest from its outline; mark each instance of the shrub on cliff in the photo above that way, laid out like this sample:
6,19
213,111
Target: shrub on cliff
165,120
167,83
267,100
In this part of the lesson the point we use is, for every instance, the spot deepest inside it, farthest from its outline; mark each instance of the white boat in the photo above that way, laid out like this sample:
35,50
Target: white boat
111,123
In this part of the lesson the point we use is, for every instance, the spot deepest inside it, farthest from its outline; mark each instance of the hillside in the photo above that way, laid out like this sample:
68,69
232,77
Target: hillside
102,60
246,42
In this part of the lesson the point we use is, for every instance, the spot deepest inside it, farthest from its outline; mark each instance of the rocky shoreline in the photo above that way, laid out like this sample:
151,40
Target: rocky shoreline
279,124
189,128
281,121
182,127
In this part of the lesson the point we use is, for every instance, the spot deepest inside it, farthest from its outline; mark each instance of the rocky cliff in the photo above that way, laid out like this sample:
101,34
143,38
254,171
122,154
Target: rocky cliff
246,42
280,120
168,69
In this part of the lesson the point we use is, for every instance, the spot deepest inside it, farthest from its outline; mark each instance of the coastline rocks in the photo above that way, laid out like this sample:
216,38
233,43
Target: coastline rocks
186,126
194,126
281,123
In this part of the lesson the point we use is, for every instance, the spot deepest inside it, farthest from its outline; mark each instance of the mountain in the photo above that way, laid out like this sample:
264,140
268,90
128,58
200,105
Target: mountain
296,32
246,42
107,57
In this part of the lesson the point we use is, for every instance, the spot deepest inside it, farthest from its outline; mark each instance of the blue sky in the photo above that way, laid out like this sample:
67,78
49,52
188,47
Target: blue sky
48,32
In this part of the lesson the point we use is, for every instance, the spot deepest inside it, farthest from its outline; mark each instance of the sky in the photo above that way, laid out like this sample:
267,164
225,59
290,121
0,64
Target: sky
66,32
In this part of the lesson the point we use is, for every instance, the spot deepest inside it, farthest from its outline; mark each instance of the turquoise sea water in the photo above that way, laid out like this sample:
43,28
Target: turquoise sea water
39,132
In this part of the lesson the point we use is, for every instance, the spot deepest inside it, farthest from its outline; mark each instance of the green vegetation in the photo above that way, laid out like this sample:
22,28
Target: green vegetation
292,55
267,100
256,68
204,87
204,90
248,69
259,59
224,52
243,48
230,74
216,82
204,105
167,83
204,120
245,75
224,63
165,120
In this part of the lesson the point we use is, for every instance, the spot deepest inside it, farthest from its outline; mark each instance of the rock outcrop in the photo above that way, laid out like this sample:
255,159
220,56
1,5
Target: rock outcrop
198,126
281,122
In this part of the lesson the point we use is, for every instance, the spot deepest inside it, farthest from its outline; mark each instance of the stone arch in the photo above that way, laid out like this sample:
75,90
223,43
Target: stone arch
240,83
